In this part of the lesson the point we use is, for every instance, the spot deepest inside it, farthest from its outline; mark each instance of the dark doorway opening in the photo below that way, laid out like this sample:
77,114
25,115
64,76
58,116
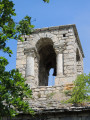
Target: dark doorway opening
47,61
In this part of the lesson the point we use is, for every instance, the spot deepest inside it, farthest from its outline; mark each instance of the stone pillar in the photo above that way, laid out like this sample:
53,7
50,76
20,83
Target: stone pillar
59,64
30,66
59,52
30,76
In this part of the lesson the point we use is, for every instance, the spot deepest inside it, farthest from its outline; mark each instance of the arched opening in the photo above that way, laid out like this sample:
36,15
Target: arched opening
47,60
77,55
51,78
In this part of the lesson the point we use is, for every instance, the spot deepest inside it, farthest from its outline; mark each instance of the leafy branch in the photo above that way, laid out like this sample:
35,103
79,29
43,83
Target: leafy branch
13,88
46,1
81,91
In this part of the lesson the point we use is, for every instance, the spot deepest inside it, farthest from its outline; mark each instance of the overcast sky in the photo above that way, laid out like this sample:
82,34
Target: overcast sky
56,13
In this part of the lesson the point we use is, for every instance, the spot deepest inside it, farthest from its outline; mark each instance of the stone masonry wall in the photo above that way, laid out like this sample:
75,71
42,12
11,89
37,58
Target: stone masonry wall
50,97
80,62
65,35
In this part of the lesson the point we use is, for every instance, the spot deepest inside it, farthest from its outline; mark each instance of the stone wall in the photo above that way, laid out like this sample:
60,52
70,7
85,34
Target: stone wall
48,97
65,42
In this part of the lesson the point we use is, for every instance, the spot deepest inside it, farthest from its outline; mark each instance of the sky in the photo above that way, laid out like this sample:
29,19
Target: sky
56,13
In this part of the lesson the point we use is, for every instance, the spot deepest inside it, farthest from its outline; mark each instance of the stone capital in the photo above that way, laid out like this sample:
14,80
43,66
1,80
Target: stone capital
60,48
29,51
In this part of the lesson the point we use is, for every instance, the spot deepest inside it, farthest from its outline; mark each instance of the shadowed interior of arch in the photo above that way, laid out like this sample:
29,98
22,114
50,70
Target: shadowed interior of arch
77,55
47,61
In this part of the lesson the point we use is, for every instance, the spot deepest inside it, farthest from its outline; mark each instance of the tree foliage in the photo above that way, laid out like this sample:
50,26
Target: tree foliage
13,88
8,28
24,27
81,91
46,1
7,25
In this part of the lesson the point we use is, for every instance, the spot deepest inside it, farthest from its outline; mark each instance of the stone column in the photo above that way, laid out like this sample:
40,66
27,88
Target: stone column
59,64
30,65
59,52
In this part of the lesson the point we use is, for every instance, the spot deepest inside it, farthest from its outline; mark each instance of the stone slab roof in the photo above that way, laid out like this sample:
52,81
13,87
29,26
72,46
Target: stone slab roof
68,109
61,110
63,27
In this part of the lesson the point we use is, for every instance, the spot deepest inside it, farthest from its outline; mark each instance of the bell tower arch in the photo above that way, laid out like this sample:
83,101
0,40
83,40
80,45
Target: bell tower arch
45,48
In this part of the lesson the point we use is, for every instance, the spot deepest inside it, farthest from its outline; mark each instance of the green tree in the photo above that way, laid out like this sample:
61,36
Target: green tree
24,27
13,88
81,90
46,1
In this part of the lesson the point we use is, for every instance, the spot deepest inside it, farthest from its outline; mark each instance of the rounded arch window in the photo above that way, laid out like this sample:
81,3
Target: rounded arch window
47,60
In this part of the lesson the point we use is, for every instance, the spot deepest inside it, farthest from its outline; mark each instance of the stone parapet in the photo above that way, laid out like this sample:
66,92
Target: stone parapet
49,97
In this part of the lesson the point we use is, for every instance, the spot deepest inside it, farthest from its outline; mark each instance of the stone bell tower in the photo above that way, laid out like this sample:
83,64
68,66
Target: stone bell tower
54,47
58,48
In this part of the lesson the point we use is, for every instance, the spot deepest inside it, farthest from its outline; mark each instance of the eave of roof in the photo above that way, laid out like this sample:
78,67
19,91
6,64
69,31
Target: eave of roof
60,110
